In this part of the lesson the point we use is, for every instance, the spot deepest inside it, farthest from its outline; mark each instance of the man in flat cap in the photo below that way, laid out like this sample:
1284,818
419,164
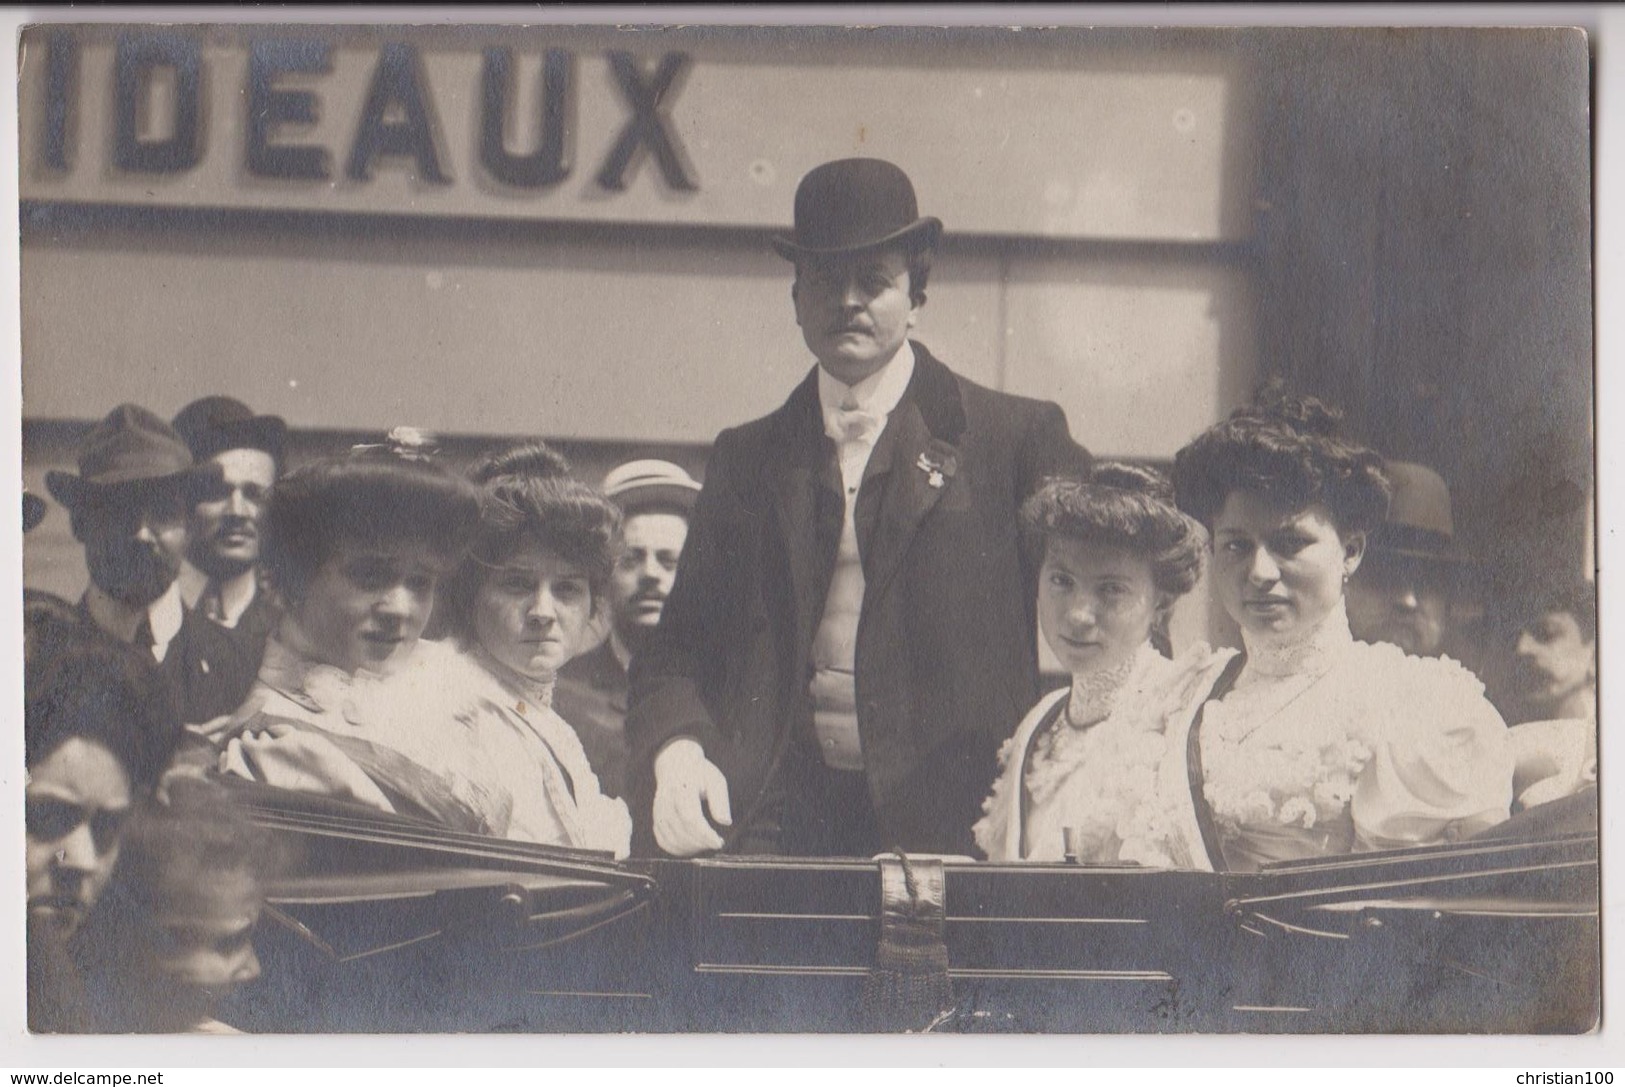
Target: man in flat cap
656,498
127,506
1406,585
851,634
238,456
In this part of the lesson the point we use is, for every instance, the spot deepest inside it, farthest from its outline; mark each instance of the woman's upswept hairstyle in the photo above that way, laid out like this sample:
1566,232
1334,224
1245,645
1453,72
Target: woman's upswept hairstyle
1287,450
81,684
362,501
528,494
1119,505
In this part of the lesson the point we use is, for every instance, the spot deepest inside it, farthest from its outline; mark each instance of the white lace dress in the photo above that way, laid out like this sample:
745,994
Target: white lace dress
1326,745
1090,758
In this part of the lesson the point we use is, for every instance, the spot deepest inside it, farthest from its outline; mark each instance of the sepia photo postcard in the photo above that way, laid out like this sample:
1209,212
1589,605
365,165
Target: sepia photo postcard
555,528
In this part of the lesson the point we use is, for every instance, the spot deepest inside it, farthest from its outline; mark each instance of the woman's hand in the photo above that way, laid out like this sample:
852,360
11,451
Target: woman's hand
687,786
293,758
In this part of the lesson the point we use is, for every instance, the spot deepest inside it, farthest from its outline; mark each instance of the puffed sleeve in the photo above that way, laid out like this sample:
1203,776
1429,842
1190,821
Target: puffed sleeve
1441,760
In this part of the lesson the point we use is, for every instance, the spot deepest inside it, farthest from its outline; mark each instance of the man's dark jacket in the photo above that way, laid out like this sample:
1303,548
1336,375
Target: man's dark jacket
204,669
591,697
947,641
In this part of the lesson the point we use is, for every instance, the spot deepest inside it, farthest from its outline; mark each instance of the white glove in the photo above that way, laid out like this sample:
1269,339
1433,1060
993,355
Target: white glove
687,786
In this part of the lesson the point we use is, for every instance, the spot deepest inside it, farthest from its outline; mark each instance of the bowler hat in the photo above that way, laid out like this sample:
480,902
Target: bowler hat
215,424
1419,524
850,205
131,445
644,484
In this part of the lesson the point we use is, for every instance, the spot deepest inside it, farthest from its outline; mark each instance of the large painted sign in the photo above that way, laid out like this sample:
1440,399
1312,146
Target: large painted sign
696,128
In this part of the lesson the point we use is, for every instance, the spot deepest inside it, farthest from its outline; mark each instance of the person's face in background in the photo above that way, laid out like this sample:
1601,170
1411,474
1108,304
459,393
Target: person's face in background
135,539
1096,603
227,510
199,939
367,606
532,612
77,800
1399,600
855,310
651,545
1556,662
1279,572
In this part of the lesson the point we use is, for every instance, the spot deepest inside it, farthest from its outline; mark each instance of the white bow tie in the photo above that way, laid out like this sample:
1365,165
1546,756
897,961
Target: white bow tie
845,425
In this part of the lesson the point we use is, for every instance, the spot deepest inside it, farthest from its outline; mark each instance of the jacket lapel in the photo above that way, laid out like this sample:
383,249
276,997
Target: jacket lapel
924,456
804,480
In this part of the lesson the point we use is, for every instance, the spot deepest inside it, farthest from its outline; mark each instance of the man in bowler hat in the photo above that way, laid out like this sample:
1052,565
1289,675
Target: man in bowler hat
851,632
656,498
238,456
1407,583
127,506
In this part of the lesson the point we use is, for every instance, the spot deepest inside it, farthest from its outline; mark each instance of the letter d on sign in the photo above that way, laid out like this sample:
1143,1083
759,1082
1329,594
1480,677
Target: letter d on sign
135,61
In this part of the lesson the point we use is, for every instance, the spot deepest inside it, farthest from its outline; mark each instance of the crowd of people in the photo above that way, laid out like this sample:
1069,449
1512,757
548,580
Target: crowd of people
828,649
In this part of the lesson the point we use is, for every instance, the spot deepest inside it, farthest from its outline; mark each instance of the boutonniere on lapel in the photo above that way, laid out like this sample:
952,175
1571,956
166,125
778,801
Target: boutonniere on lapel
938,469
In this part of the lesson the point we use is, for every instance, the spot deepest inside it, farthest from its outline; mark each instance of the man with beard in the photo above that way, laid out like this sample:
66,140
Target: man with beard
1404,591
239,456
656,499
128,507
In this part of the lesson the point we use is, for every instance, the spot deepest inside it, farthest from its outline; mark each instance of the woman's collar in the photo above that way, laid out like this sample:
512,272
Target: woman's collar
1309,652
1095,694
538,692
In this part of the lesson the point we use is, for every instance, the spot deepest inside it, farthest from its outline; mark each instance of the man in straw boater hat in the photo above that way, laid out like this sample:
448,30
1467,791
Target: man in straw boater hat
127,506
1413,570
851,634
239,456
656,499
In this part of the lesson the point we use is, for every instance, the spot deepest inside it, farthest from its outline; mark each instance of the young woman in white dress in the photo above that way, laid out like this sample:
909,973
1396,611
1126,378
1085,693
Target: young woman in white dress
1314,744
1080,776
520,607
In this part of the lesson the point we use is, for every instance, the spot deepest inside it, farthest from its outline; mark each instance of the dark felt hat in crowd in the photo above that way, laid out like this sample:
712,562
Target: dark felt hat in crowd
1419,524
131,445
33,510
851,205
215,424
651,484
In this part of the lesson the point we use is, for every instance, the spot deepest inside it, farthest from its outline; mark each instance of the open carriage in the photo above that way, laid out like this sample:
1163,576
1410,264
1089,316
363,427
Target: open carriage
385,924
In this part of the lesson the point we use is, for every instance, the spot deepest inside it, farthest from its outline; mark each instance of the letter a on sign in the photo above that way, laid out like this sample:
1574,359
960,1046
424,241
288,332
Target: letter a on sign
398,82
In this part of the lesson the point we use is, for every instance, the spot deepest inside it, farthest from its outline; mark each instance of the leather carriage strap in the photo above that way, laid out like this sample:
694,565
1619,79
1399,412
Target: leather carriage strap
1193,762
909,989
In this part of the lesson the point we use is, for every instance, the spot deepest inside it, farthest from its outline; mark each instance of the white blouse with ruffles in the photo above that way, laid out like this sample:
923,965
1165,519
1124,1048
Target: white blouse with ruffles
1327,745
557,798
1095,767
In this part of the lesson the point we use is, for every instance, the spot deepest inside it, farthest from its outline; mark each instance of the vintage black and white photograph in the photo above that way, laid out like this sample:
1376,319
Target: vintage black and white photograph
802,529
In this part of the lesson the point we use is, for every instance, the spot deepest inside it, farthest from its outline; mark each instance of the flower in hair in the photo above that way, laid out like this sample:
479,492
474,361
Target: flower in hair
405,442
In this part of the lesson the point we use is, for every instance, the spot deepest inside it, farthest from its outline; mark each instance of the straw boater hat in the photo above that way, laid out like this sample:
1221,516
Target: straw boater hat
651,484
1419,525
851,205
215,424
130,446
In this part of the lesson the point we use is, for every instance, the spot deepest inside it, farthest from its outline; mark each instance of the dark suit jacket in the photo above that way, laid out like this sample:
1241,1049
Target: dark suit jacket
591,696
947,642
254,627
205,670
